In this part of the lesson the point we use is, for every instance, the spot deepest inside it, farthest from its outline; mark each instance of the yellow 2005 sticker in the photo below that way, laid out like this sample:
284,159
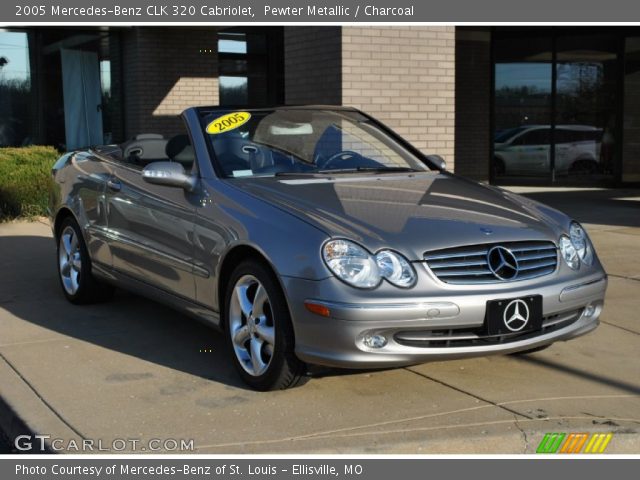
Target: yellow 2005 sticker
228,122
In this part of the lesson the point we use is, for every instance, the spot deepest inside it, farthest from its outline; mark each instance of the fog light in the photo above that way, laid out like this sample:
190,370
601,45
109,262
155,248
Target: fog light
374,341
589,311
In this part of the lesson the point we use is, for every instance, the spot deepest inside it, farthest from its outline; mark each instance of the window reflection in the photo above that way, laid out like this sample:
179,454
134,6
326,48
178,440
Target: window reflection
586,95
249,72
234,90
566,132
15,89
631,137
522,107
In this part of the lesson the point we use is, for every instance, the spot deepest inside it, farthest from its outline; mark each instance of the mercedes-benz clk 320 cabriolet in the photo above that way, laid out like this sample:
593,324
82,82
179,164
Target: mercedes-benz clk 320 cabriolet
316,235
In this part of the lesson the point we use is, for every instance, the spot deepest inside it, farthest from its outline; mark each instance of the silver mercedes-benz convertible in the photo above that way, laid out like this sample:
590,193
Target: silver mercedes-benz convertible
316,235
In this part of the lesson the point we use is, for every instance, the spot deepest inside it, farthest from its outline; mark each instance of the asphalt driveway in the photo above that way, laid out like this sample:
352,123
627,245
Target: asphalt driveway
132,369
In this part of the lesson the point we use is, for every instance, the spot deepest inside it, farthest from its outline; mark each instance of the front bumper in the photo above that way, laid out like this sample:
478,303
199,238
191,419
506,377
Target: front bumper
445,325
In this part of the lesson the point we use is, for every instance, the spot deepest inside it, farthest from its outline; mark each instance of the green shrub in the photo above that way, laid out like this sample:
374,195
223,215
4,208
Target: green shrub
25,176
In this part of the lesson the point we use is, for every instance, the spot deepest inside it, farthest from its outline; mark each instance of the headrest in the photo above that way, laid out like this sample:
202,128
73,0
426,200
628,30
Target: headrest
179,149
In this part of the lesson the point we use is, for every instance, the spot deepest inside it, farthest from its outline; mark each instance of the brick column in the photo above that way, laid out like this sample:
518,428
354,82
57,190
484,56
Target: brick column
312,65
473,102
166,70
404,76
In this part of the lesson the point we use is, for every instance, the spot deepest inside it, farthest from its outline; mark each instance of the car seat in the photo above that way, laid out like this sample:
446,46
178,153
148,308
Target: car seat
179,149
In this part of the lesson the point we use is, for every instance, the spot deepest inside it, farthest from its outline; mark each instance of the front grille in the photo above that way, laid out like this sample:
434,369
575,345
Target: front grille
469,266
443,338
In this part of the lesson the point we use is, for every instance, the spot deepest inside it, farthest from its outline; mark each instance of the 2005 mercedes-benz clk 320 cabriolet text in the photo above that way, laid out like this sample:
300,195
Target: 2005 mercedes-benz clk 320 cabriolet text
316,235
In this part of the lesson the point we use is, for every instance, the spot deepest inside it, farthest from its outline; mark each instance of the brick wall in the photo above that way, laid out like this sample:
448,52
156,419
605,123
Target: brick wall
405,77
166,70
312,72
473,102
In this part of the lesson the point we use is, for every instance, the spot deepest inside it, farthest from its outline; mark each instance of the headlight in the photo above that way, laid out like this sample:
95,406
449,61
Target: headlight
354,265
395,268
581,243
351,263
569,252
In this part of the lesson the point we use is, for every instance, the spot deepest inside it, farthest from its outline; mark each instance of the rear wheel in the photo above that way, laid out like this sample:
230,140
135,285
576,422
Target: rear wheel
258,329
498,167
583,167
74,267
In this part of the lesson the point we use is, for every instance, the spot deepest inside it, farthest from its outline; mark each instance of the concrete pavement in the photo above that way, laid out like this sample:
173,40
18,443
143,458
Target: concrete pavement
132,369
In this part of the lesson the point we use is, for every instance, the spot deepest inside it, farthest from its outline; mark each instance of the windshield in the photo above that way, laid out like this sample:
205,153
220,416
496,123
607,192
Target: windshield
301,142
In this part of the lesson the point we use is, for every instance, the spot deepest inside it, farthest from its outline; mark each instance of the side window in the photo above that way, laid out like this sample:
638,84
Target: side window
523,139
535,137
564,136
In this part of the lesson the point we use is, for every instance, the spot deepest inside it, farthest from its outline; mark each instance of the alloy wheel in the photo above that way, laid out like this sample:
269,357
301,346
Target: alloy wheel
70,260
251,325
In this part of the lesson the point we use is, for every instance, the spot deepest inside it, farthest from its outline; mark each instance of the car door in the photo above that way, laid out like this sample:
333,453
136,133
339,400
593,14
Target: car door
532,152
567,145
89,186
152,230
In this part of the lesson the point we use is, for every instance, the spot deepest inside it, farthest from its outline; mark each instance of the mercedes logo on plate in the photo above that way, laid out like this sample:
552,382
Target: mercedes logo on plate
502,263
516,315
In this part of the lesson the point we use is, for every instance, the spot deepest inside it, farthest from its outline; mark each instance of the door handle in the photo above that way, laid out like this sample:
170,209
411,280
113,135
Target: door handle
114,185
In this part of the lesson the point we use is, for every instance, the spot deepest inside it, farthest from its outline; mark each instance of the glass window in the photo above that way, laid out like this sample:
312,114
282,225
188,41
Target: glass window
249,72
587,72
631,137
522,100
232,42
16,109
234,90
579,141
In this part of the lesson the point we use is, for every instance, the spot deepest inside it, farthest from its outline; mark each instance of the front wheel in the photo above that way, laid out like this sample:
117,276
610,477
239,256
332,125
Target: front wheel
74,267
258,329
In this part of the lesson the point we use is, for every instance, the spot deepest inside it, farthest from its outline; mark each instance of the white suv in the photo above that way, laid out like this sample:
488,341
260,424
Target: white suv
526,150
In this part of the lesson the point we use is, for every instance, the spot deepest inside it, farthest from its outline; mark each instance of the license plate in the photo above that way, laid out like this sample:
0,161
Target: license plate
514,315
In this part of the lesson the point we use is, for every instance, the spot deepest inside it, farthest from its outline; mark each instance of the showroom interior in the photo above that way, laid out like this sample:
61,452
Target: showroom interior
553,106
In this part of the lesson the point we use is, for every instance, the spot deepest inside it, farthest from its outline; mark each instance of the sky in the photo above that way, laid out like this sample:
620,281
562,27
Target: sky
13,47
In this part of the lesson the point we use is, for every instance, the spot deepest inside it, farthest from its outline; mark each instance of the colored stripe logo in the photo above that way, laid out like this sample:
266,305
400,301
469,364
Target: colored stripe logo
574,443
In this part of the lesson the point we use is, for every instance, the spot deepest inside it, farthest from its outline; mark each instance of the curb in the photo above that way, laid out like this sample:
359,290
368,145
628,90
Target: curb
17,396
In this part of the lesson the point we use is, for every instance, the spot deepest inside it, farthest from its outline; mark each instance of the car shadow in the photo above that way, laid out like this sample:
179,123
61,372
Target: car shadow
128,324
577,372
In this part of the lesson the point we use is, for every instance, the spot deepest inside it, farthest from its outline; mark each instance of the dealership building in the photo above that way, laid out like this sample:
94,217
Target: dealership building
509,105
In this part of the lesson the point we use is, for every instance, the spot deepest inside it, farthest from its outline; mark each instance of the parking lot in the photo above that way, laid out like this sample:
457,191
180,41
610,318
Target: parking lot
132,369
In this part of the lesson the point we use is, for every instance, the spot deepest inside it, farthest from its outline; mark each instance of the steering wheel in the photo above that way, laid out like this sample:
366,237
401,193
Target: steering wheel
342,156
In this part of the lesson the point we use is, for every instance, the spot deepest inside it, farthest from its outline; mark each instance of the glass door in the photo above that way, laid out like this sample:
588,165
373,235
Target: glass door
631,137
557,110
522,109
586,143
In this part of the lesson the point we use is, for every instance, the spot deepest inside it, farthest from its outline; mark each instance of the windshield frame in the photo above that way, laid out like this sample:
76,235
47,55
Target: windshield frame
204,112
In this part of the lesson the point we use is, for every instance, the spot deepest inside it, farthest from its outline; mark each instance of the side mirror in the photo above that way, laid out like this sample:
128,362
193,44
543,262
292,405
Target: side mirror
438,161
170,174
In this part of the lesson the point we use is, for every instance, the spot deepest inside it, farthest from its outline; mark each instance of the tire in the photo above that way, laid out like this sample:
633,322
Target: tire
74,267
498,167
583,167
258,329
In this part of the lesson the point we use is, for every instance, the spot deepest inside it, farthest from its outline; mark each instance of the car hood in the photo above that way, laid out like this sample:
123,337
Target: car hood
411,213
